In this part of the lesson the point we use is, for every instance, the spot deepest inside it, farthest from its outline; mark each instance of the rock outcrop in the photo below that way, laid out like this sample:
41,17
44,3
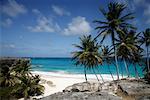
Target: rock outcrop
82,96
115,90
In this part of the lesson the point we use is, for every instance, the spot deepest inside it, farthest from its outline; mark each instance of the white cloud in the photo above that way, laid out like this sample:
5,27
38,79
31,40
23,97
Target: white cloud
13,9
36,11
44,24
6,23
60,11
11,46
78,26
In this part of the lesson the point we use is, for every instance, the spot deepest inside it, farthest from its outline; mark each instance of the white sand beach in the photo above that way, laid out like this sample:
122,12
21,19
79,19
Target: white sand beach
56,82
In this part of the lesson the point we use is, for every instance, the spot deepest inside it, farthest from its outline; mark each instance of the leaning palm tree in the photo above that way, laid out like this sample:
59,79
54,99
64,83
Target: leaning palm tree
127,44
114,21
145,39
88,54
106,55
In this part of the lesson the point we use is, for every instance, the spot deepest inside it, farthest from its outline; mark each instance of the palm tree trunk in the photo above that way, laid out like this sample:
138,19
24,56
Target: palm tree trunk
125,63
110,71
95,74
137,75
85,73
116,60
100,75
147,59
115,54
121,71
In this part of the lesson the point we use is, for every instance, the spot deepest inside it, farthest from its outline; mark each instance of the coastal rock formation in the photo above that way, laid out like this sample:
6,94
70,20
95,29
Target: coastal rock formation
82,96
128,89
83,87
138,90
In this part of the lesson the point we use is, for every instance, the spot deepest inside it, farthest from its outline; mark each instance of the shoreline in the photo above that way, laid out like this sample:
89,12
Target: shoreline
56,82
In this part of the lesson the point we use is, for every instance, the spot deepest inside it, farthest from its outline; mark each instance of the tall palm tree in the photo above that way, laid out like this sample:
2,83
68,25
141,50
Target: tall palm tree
106,55
88,54
136,59
145,39
127,44
114,21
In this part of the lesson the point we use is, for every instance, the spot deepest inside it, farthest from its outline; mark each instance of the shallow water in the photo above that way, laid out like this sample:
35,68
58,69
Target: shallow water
66,65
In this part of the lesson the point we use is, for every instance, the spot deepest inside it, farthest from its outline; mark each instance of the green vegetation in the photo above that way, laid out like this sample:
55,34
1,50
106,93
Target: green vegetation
126,42
16,81
115,22
88,54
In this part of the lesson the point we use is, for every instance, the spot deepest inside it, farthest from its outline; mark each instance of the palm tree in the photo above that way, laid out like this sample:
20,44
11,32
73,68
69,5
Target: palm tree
114,21
145,39
136,58
127,44
88,54
106,55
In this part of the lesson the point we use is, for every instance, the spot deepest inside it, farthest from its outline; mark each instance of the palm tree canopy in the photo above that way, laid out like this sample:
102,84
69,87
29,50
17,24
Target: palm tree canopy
146,37
107,53
114,19
127,43
87,54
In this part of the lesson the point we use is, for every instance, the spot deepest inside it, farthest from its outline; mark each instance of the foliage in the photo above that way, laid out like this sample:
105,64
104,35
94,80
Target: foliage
16,81
87,54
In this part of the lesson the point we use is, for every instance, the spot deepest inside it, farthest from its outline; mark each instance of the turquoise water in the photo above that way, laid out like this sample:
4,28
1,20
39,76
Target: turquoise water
66,65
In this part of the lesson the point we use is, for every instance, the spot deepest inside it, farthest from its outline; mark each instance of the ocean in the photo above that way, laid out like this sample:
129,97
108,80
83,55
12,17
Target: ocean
66,65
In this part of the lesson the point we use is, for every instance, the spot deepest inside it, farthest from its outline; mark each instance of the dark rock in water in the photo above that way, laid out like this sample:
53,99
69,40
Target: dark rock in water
82,96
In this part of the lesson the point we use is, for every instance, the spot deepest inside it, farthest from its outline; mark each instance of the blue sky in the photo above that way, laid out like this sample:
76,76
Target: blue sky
48,28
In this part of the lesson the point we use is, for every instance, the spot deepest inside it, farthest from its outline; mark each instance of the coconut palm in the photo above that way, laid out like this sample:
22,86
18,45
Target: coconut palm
106,55
88,54
114,21
127,44
136,59
145,39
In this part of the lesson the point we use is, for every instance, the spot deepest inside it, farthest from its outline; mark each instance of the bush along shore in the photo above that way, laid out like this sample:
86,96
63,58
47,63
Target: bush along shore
17,81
